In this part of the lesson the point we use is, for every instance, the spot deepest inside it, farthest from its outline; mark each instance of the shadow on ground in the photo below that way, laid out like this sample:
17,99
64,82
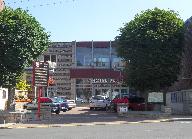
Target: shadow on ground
84,115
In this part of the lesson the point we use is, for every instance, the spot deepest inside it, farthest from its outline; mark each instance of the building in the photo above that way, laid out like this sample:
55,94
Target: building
179,96
83,69
61,57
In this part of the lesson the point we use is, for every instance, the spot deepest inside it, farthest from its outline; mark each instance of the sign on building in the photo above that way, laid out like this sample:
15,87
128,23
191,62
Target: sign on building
156,97
41,73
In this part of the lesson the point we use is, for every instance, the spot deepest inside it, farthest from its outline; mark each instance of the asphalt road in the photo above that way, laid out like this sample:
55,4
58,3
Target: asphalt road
84,115
165,130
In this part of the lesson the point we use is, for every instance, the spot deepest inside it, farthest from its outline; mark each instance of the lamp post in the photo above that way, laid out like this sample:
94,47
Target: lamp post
120,78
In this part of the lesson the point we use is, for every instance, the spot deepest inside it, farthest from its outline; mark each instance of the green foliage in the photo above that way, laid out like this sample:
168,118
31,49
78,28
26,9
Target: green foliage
22,85
152,45
22,39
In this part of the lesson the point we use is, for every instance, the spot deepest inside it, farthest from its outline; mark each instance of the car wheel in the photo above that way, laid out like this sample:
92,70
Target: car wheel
106,108
64,110
57,112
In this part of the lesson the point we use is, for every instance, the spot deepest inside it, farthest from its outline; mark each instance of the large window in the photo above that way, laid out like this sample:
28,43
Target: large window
84,56
101,57
101,62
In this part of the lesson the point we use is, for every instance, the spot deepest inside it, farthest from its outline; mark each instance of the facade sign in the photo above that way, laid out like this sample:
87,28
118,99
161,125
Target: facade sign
155,97
41,73
103,81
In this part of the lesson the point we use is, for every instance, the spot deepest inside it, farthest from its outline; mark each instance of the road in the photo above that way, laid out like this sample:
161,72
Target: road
83,115
165,130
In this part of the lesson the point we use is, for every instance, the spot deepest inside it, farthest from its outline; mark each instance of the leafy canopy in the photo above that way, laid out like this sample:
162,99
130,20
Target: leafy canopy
22,39
151,45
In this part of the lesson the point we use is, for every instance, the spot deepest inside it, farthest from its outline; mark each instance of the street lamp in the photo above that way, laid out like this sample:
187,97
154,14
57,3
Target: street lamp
120,78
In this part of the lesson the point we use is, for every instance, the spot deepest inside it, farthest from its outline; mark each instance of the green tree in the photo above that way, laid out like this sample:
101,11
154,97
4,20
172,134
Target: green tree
152,45
22,39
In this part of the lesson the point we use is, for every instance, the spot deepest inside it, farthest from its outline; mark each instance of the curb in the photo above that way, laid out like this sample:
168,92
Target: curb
83,124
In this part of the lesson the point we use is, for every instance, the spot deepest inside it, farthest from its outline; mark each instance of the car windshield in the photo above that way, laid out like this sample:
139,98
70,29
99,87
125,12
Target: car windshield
99,97
59,99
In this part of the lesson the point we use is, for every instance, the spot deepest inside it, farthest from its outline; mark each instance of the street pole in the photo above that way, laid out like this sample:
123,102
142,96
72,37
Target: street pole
120,82
110,67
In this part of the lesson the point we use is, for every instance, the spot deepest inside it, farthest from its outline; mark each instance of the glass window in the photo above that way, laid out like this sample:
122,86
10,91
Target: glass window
53,58
83,56
79,81
101,56
46,58
4,94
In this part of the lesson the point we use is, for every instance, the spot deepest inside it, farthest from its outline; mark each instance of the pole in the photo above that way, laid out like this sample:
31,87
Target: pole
39,95
110,66
33,79
120,83
92,67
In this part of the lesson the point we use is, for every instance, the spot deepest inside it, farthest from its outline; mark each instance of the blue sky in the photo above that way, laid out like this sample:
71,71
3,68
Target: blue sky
98,20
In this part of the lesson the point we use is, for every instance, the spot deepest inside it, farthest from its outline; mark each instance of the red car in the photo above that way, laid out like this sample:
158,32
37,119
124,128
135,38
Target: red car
134,103
138,104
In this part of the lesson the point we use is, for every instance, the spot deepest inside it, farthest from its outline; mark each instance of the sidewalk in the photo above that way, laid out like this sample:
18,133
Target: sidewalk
82,116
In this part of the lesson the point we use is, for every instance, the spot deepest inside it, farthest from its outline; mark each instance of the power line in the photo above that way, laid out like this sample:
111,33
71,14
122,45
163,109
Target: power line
29,4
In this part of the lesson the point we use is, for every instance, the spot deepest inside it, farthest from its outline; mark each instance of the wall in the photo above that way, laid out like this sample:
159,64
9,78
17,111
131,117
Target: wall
180,101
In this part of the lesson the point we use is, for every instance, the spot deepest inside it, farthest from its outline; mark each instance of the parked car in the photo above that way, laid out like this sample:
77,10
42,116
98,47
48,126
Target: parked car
34,103
99,101
80,100
135,103
62,103
71,102
55,108
138,104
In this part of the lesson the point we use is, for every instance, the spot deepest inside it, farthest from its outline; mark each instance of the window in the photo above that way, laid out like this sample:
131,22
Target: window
177,97
46,58
4,94
53,58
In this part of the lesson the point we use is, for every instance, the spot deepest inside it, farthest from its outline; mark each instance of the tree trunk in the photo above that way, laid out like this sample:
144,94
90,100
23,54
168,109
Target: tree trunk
11,94
146,100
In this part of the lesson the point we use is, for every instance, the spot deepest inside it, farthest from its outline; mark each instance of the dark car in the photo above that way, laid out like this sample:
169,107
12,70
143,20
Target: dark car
63,104
55,108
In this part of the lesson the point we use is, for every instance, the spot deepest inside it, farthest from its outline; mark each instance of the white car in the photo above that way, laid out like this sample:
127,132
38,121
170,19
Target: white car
81,100
71,104
99,101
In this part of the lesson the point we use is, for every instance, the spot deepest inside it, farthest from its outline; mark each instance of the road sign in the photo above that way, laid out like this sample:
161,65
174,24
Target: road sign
41,73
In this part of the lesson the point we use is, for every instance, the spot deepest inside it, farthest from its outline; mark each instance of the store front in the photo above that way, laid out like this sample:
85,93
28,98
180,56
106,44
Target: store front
90,82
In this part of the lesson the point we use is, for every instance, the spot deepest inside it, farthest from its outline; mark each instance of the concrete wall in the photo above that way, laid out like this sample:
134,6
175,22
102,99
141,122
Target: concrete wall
180,101
177,108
